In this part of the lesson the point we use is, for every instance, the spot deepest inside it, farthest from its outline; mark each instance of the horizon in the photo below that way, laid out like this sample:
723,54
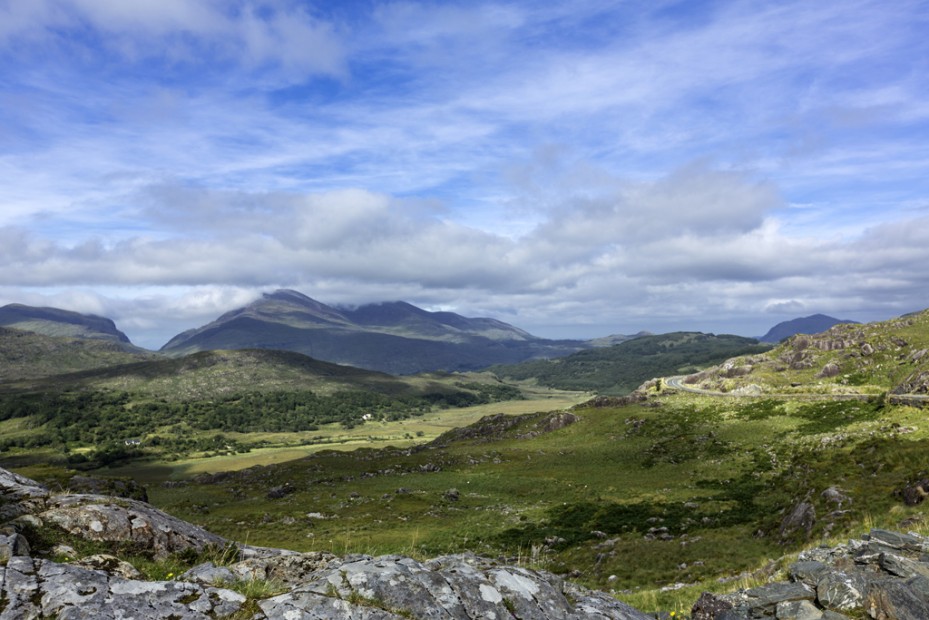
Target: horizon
558,332
586,168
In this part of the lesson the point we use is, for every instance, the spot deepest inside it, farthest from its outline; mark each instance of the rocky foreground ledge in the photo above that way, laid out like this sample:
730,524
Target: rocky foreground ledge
316,585
883,576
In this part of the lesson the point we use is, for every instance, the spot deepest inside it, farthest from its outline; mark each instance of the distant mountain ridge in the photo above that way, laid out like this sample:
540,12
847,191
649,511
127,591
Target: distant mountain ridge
813,324
394,337
57,322
621,368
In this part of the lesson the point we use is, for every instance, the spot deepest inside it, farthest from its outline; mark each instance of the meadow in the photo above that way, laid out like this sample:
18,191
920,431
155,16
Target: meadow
645,501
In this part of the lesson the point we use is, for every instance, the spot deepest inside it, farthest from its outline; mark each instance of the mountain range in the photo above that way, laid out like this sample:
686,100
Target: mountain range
393,337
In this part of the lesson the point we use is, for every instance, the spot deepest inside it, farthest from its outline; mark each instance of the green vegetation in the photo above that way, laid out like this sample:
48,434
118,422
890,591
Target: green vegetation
26,355
621,368
173,408
693,489
120,426
623,494
871,359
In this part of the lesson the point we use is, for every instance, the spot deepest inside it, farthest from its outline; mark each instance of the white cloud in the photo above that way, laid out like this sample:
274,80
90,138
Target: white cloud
555,162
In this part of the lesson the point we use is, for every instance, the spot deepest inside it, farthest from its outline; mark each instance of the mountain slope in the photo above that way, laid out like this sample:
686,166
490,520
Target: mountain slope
169,405
872,358
212,374
57,322
28,355
395,337
813,324
621,368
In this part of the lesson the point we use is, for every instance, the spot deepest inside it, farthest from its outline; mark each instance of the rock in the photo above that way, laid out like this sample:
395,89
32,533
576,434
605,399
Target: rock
840,591
801,518
109,564
463,586
209,574
916,493
452,495
798,610
764,599
829,370
12,545
896,540
44,589
808,572
280,491
709,607
901,566
836,496
287,569
100,518
19,496
895,599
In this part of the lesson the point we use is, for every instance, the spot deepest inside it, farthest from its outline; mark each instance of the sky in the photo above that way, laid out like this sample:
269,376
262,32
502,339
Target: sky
576,168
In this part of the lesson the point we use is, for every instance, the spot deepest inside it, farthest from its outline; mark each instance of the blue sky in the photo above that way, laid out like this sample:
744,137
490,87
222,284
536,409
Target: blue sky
577,168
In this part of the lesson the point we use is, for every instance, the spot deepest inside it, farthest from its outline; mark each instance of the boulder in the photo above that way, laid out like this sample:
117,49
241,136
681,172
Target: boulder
125,521
896,599
801,519
19,496
45,589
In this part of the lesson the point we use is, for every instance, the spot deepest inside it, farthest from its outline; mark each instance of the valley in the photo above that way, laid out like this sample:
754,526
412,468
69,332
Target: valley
710,477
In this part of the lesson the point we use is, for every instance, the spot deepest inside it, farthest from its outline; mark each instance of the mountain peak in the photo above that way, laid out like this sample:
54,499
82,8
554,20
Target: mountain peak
812,324
393,336
286,294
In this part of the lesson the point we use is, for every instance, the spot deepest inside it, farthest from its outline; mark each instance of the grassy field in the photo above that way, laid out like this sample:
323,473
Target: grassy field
653,501
628,498
284,447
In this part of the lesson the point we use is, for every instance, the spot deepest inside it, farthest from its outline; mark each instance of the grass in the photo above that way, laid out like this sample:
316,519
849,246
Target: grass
285,447
539,499
654,502
693,487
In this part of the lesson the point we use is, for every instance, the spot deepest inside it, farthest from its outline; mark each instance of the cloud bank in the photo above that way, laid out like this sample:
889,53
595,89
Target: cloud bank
576,170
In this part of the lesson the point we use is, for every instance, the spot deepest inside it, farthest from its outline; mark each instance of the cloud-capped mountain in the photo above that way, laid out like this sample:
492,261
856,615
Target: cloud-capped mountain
394,337
57,322
813,324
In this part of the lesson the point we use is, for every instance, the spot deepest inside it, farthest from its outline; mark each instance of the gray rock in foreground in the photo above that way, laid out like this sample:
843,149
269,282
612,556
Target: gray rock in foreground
883,576
313,585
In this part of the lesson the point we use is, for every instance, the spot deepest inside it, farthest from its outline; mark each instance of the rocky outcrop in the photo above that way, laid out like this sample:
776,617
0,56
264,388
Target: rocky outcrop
296,585
916,383
130,522
35,588
882,576
499,425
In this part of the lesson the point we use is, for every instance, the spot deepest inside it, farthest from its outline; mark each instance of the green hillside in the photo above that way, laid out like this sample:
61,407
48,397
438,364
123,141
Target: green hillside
58,322
621,368
656,497
693,488
29,355
874,358
158,406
